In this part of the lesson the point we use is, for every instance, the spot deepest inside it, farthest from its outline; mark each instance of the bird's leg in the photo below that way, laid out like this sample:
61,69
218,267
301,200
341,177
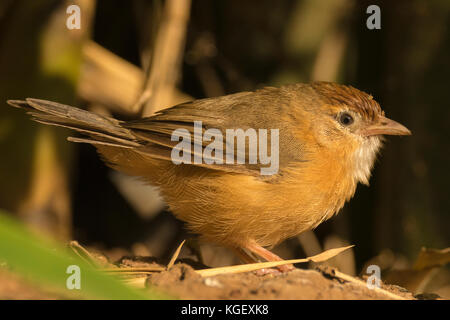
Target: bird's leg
194,245
244,256
247,258
255,248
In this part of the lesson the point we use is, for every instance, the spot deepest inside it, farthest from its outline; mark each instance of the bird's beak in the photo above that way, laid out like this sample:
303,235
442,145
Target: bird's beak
386,126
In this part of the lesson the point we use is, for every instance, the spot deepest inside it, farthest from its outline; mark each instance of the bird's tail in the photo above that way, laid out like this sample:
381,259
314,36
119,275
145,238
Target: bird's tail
98,129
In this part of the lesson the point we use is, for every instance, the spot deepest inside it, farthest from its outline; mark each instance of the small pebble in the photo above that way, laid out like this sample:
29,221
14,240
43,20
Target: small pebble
212,282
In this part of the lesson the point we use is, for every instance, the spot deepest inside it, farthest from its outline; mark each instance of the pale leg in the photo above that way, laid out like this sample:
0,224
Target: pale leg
269,256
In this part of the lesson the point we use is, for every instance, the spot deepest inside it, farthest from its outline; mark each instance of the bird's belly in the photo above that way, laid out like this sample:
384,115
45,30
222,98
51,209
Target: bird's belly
234,209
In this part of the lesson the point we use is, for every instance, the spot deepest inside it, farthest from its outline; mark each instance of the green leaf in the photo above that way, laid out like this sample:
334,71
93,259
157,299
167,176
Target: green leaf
46,263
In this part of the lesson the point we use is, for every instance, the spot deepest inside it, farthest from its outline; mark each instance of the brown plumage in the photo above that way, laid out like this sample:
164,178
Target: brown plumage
329,136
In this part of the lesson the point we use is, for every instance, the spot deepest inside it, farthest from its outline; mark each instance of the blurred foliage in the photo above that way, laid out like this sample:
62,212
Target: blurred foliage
40,59
45,263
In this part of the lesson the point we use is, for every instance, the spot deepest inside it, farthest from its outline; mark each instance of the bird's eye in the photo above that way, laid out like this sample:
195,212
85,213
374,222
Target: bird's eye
345,119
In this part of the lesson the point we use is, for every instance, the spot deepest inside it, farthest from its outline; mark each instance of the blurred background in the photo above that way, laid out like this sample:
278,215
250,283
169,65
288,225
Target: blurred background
132,58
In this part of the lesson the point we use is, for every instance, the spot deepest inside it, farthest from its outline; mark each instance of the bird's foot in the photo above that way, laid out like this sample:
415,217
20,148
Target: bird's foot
254,248
267,271
286,268
275,271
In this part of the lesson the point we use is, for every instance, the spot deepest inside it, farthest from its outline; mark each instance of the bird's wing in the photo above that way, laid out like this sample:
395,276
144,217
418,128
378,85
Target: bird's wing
247,111
267,109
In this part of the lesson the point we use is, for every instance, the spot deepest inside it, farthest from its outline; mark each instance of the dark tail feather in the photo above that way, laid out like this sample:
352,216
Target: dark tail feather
100,129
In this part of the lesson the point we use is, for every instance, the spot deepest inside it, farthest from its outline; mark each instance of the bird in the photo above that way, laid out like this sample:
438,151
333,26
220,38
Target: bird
328,138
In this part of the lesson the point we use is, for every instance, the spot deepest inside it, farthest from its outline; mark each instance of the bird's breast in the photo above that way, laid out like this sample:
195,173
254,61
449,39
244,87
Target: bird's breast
322,186
231,209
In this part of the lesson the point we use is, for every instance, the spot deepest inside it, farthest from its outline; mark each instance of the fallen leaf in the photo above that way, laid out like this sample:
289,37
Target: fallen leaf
261,265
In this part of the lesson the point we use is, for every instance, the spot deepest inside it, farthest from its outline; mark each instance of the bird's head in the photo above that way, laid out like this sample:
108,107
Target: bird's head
352,121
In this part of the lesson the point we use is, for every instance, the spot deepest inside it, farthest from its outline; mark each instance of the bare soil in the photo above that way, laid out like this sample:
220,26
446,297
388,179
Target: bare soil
182,282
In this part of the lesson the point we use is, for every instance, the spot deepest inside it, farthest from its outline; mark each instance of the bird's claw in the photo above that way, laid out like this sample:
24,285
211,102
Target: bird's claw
275,271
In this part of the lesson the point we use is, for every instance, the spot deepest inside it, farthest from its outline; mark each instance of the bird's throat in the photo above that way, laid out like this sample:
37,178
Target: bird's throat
364,158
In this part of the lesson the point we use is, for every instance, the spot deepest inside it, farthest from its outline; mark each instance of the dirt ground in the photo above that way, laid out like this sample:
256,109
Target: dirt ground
13,287
182,282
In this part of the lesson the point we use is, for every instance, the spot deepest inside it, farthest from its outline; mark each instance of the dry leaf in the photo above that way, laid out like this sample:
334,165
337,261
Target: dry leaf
422,274
429,258
175,255
256,266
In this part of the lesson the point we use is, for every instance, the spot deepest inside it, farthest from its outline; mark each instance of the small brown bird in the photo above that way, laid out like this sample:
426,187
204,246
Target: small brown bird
328,139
